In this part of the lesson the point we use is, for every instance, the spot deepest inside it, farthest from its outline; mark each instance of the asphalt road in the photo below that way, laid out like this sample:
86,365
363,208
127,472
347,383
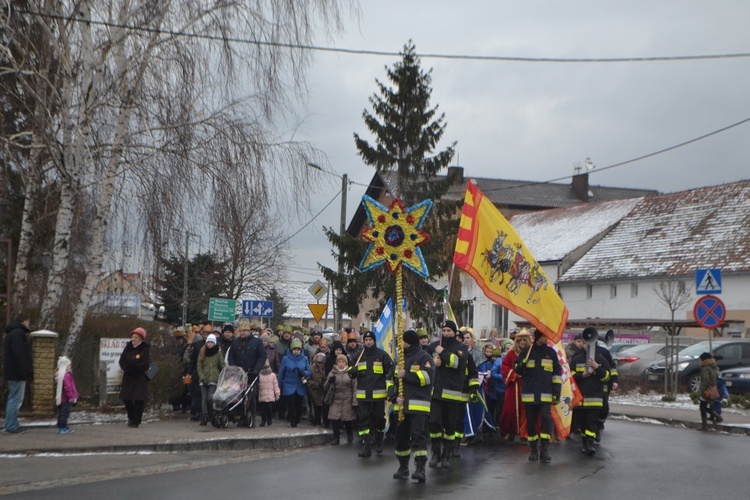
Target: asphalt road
635,461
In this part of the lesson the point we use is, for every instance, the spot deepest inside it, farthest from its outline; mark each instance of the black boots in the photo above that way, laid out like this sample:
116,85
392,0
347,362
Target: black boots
349,434
534,455
419,473
716,417
204,420
378,443
365,452
544,454
403,468
588,446
435,459
446,456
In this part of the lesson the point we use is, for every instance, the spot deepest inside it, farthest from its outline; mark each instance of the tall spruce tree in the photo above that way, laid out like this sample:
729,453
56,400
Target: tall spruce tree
406,132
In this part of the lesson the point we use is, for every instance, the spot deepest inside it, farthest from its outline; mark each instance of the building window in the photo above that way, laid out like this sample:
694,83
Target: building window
634,290
681,287
613,292
589,291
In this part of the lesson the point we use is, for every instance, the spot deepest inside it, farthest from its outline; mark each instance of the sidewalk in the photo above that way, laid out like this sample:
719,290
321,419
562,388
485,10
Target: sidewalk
182,435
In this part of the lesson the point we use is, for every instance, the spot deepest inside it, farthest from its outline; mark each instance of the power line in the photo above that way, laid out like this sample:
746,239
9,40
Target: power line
384,53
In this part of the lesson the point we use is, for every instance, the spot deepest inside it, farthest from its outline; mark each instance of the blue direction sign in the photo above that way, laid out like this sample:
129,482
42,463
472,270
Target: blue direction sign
708,281
257,308
709,312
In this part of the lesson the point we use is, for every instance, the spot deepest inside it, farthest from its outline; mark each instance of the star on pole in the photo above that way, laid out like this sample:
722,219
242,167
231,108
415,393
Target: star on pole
395,236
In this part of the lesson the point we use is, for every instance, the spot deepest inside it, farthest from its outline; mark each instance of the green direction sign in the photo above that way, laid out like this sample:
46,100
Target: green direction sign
221,310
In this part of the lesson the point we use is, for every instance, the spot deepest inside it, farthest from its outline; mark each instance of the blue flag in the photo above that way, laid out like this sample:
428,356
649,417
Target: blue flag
384,329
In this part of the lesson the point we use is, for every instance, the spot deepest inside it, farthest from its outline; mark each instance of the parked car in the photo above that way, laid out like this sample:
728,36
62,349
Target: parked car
619,347
737,380
727,353
631,363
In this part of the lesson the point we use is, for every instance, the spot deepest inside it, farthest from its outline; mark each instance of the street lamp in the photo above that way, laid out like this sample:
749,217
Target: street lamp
342,228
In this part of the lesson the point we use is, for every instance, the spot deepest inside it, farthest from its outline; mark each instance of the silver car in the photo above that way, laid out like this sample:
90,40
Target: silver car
632,363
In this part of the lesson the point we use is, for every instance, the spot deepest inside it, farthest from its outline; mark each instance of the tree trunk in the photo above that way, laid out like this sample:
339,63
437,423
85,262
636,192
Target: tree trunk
21,274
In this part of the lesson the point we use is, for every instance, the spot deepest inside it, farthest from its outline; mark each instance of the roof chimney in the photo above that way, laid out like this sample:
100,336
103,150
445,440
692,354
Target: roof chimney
581,186
456,174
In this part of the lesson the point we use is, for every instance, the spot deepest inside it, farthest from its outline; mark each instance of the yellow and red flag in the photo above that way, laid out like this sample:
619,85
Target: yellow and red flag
570,397
490,250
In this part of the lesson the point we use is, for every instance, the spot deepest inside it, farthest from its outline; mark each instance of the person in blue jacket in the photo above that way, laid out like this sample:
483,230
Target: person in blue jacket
293,374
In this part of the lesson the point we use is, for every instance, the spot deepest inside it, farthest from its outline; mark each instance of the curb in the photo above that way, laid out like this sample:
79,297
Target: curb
728,428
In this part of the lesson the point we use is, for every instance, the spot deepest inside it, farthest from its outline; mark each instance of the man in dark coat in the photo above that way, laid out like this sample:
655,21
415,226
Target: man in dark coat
248,353
18,369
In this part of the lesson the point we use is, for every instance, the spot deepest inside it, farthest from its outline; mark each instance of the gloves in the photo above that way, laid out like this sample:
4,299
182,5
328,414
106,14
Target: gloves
352,374
73,402
332,380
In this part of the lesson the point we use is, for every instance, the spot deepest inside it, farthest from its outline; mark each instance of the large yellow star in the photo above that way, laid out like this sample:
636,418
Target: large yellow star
394,235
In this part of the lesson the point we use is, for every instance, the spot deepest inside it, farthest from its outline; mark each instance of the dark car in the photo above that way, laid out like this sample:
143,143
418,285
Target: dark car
727,353
737,380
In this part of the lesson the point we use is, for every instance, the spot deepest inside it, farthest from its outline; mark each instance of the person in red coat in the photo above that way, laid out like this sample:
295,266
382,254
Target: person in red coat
513,416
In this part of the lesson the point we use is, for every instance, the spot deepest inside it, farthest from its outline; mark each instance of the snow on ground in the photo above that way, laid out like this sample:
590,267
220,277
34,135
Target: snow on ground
653,399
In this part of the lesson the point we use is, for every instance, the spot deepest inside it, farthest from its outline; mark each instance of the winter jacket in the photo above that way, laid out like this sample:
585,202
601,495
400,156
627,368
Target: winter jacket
69,390
210,364
709,374
272,356
282,346
315,384
497,382
417,381
293,368
331,357
344,402
134,362
371,374
541,375
268,386
455,369
594,386
17,353
248,353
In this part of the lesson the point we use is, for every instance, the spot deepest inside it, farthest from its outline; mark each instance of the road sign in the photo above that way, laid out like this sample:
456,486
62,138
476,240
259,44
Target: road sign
318,310
708,281
221,310
318,290
257,308
709,312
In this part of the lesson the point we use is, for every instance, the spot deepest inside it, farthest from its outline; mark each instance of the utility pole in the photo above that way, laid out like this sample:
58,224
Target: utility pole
342,228
185,282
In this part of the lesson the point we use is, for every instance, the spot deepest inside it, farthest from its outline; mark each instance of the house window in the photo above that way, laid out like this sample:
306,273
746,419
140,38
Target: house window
681,287
613,292
634,290
589,291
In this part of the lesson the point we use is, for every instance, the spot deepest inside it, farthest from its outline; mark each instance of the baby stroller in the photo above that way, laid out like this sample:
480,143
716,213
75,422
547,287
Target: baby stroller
234,399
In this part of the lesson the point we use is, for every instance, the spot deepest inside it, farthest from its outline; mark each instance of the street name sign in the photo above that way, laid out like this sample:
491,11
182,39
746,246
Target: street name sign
221,310
257,308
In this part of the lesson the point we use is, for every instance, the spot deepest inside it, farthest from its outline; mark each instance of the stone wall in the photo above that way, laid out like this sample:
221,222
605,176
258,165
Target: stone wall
43,348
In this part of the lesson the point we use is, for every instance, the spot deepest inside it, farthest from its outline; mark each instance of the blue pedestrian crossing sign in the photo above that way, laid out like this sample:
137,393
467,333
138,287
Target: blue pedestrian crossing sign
708,281
257,308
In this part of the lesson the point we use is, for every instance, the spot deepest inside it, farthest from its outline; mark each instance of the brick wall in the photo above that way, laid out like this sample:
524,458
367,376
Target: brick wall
43,348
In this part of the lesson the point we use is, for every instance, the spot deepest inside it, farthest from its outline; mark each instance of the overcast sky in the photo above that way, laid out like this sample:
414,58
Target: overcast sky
538,120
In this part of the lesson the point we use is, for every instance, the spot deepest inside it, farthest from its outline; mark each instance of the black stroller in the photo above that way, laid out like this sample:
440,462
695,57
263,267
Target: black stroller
234,399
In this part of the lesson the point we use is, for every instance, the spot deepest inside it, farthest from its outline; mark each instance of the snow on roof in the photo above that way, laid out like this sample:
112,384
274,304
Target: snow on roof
673,235
551,235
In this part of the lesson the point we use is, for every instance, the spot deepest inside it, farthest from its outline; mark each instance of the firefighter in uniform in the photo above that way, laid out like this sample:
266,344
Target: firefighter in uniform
592,377
415,404
610,386
371,373
448,395
541,374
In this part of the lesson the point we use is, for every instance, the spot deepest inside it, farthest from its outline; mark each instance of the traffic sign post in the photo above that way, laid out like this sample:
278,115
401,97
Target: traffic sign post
257,308
317,310
708,281
221,310
318,290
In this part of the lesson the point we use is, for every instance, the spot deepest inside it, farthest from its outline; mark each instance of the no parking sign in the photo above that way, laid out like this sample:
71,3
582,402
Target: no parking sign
709,312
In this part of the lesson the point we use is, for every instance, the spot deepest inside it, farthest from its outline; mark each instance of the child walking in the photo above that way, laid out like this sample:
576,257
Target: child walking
66,394
268,393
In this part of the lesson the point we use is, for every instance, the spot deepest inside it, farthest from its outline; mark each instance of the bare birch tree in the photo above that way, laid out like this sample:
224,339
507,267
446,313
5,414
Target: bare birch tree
675,295
145,89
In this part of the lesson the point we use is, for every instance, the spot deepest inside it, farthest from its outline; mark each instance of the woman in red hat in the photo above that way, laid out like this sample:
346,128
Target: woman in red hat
134,361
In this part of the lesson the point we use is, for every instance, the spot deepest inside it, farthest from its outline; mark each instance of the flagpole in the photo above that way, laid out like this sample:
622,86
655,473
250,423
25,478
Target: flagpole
399,327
